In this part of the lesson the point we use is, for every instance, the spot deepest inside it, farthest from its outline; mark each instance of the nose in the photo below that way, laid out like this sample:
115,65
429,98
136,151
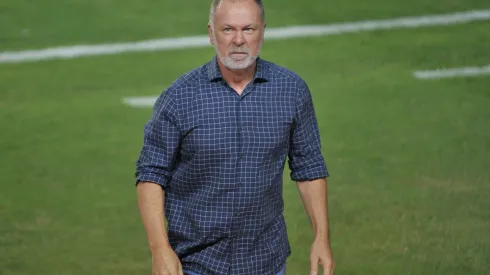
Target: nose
239,39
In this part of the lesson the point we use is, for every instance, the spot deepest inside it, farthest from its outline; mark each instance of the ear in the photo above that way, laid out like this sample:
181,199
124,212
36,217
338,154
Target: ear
263,33
210,33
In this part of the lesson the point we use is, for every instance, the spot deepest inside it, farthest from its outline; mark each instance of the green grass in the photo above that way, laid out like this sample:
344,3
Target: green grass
409,159
38,24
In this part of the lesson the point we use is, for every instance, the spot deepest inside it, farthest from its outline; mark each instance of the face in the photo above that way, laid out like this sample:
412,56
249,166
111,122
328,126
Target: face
238,33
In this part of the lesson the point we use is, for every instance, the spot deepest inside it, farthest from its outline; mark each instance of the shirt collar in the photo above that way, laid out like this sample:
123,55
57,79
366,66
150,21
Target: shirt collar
262,72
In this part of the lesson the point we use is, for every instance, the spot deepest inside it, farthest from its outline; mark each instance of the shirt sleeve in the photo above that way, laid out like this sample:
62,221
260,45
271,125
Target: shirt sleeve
305,157
160,144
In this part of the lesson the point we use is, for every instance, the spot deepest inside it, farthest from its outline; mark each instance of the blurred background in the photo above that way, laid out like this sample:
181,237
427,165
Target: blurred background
408,154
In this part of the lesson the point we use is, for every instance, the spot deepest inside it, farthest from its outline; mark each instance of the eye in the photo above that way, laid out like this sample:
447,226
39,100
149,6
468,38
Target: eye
227,29
248,29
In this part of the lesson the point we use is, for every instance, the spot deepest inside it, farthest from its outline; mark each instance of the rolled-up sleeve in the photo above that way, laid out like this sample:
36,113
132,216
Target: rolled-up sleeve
305,157
160,144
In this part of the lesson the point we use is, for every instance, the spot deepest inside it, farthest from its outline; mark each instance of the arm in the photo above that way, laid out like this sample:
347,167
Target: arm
150,203
154,168
314,197
309,170
153,174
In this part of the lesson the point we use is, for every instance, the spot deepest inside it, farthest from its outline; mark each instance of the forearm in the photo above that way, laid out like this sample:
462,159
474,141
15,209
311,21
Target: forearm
314,197
150,203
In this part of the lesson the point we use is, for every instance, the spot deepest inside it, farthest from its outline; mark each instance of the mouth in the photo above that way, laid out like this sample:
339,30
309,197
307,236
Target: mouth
239,54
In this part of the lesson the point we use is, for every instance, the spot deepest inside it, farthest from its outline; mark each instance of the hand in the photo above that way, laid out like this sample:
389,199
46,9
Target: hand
166,262
321,254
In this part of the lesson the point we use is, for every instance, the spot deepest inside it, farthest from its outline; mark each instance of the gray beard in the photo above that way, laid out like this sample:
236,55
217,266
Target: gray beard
233,64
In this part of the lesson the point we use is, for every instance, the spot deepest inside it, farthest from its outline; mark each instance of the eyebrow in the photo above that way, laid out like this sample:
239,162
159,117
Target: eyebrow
235,27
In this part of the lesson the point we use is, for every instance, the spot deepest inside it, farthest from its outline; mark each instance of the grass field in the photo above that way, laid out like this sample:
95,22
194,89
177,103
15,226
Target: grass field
409,159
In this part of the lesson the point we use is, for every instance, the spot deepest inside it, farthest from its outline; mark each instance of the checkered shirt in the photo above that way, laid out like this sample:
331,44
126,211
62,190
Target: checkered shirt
220,158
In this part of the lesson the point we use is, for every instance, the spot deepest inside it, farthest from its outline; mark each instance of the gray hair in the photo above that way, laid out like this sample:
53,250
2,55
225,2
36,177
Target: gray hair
216,3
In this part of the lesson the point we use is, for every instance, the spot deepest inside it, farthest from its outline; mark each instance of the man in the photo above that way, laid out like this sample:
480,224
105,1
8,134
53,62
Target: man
213,158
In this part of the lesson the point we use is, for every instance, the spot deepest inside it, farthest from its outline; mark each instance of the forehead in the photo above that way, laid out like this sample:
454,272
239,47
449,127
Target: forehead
243,12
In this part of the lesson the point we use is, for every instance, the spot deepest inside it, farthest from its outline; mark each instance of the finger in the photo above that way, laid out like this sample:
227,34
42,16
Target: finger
328,269
313,265
180,271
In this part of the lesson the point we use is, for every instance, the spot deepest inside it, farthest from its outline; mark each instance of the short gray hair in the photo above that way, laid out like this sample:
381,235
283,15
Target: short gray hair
215,4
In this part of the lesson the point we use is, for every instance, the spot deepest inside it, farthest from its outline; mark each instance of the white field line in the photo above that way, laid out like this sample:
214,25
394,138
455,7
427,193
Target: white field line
271,34
453,72
142,101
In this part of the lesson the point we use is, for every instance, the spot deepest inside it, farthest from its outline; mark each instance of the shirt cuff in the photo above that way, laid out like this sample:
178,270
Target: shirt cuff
152,177
309,173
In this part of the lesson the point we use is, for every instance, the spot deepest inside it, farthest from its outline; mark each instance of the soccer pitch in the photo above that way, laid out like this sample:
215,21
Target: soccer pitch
409,157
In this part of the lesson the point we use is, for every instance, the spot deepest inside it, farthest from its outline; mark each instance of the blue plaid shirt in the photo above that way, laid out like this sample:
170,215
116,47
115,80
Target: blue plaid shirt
220,158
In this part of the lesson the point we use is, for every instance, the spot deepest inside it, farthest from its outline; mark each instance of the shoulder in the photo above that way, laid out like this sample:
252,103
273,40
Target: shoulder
186,82
283,75
291,84
174,98
288,81
184,86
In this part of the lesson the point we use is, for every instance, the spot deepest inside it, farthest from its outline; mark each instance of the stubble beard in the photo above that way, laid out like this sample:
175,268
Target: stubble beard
237,64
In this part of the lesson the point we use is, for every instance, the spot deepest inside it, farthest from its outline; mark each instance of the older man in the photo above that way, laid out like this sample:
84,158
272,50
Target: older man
213,158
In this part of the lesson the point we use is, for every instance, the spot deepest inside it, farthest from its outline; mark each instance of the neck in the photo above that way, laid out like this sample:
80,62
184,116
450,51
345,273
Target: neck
237,77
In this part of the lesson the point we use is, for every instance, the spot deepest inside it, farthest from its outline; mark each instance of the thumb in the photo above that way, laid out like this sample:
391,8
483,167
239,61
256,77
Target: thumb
313,265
